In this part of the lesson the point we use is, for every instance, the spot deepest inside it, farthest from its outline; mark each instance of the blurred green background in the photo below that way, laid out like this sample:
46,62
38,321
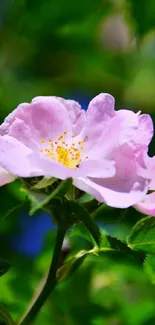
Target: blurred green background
76,49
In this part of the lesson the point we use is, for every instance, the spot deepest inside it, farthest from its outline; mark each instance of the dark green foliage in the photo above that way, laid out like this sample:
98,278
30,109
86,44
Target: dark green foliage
142,236
143,12
82,215
4,267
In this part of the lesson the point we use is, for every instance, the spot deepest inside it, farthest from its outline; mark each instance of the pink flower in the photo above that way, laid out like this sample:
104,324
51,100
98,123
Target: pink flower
101,149
5,177
147,205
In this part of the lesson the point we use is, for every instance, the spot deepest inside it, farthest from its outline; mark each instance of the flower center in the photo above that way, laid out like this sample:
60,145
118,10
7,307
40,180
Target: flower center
64,151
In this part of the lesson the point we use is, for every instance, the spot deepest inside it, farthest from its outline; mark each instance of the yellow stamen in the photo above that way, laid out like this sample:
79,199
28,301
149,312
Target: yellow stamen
67,154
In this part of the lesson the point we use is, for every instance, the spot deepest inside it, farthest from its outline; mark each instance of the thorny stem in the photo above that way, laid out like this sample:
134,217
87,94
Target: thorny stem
48,284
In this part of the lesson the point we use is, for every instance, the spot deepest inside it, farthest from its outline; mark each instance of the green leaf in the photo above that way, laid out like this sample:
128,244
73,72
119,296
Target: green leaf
107,214
83,215
6,316
113,221
85,198
14,188
39,200
79,230
4,267
118,230
149,267
44,183
66,270
36,199
105,245
142,236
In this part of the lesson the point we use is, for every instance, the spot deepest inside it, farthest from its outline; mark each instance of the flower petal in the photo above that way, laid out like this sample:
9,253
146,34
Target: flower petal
51,168
111,194
147,205
146,168
100,107
21,161
124,189
5,177
76,113
145,130
14,158
45,117
109,131
94,168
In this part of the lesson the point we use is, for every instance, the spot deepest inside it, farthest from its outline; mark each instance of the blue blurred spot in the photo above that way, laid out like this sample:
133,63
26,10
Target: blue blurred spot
30,240
81,99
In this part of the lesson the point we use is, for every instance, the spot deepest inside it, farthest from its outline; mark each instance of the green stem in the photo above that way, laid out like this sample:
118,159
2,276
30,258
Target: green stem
50,282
